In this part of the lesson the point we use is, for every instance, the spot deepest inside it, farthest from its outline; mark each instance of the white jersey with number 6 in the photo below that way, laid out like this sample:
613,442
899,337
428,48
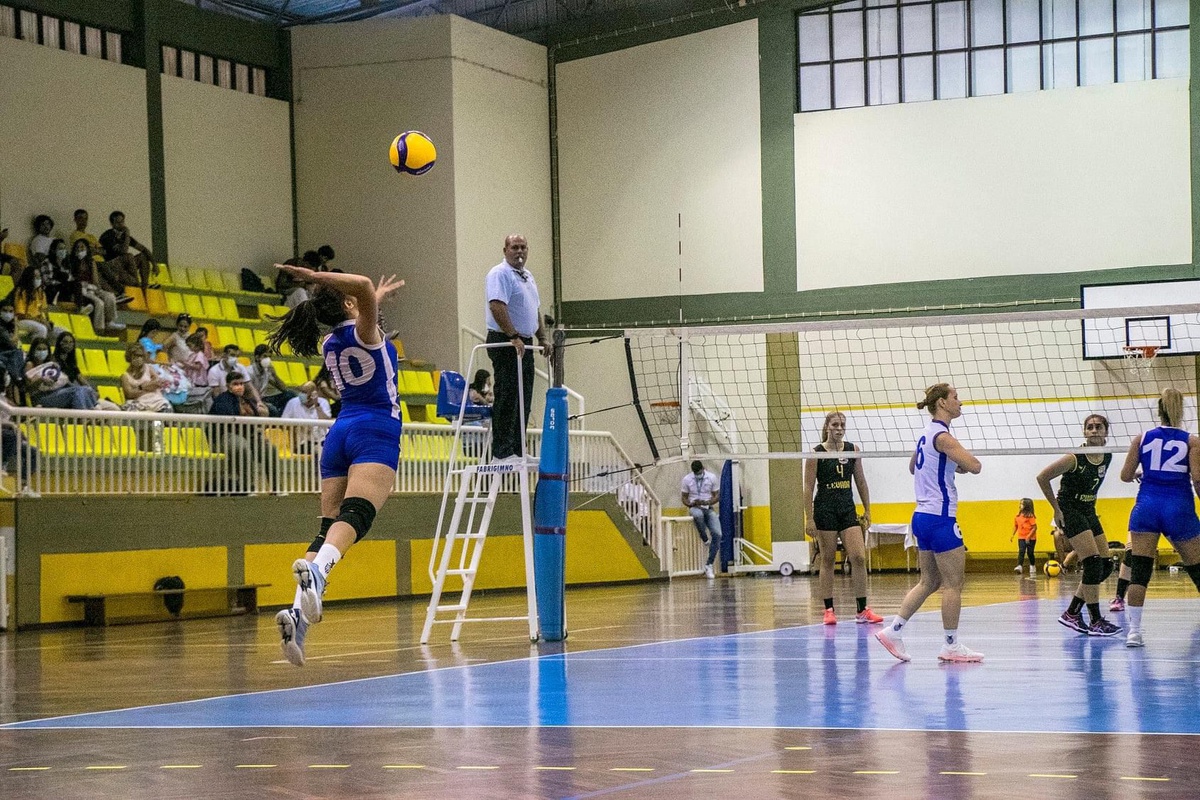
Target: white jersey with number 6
933,474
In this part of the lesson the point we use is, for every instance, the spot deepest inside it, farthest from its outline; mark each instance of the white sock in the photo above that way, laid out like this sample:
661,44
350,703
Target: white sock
951,636
296,602
897,623
1134,616
327,558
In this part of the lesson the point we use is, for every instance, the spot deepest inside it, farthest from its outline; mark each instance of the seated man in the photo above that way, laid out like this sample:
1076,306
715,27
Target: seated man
309,405
244,446
120,266
228,365
39,245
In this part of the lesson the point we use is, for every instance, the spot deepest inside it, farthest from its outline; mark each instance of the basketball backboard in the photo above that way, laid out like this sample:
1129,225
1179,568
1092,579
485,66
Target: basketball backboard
1171,334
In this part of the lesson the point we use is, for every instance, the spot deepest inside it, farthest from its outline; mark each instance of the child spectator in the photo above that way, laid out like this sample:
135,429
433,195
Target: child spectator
39,244
146,338
207,345
176,344
480,393
1025,529
102,302
195,369
267,383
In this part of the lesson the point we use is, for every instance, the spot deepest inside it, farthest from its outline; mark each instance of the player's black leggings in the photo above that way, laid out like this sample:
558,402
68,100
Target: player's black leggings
1025,546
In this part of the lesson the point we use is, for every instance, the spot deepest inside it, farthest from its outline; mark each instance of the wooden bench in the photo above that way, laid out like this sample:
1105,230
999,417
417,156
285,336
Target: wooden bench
238,600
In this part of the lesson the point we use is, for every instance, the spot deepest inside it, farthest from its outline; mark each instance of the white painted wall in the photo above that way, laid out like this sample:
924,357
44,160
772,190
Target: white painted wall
648,133
51,161
1037,182
228,177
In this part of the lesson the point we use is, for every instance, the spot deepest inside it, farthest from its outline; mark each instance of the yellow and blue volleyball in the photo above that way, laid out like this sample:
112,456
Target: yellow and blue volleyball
412,152
1052,568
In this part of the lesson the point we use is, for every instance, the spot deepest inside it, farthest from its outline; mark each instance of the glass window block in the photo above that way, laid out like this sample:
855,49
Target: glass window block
814,88
848,35
1095,62
1023,21
848,5
1095,16
29,26
987,23
1024,68
1170,12
952,75
50,32
987,72
224,74
241,74
72,37
1133,57
1171,53
205,69
1058,19
848,88
112,46
91,42
883,82
1058,65
883,32
260,82
8,22
918,78
917,25
1133,15
170,60
187,65
814,37
951,25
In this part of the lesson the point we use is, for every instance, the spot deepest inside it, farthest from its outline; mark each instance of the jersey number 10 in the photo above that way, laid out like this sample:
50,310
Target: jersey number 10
353,366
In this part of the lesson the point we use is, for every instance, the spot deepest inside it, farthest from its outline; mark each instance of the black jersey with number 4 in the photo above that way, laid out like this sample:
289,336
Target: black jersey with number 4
833,479
1079,486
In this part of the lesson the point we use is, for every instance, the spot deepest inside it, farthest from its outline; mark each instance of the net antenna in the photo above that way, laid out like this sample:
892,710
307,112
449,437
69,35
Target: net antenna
1140,358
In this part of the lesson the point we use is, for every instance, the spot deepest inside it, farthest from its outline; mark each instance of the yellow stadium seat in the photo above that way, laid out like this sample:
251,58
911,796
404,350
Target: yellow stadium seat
229,309
226,335
81,326
212,307
399,345
60,319
6,285
265,310
313,369
111,393
297,373
174,302
17,251
285,349
187,441
193,305
245,340
115,440
422,382
116,362
402,382
431,416
164,276
78,440
48,439
156,304
260,336
213,280
233,280
138,303
404,415
281,438
195,278
95,364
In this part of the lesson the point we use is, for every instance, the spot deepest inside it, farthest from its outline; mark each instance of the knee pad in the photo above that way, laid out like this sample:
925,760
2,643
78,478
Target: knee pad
1140,569
1193,571
1093,570
1109,566
315,547
358,513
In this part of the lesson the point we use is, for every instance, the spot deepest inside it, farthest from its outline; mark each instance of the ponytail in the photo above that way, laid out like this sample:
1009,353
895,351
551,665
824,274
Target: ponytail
938,391
1170,407
300,327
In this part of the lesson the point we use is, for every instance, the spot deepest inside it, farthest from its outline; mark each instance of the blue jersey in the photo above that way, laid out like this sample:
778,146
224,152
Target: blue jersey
1165,463
365,375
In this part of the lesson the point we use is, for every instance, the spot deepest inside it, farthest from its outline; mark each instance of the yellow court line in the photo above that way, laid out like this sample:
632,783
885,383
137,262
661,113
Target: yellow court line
1136,778
404,766
479,767
632,769
711,770
253,766
564,769
793,771
876,772
1042,775
28,769
181,766
962,773
329,766
107,766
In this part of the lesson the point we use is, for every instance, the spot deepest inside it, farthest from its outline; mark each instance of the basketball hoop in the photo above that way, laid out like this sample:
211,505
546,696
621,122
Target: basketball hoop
1140,358
665,412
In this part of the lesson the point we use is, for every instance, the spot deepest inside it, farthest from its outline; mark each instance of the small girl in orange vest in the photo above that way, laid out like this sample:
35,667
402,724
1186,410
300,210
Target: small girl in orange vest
1025,529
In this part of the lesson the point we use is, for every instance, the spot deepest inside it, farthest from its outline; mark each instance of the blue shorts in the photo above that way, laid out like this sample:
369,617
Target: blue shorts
360,439
1174,517
936,533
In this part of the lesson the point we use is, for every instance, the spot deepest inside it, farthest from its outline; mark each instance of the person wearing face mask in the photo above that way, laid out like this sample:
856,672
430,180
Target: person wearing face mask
220,372
56,382
267,383
103,303
31,307
308,405
57,281
142,385
12,357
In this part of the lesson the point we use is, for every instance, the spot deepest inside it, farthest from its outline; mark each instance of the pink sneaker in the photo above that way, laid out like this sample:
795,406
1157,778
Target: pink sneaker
830,617
1118,604
893,643
867,616
958,653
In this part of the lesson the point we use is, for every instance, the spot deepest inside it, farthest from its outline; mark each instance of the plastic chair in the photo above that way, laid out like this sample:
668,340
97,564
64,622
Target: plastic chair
226,335
95,365
405,415
229,309
164,275
138,303
179,278
193,305
403,384
232,280
432,416
6,285
60,319
281,439
111,393
265,309
260,336
116,363
212,307
81,326
213,280
49,439
450,394
422,382
174,302
156,303
245,340
115,440
78,440
313,370
188,441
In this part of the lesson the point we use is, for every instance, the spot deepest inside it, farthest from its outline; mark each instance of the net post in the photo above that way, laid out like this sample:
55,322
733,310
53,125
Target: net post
557,360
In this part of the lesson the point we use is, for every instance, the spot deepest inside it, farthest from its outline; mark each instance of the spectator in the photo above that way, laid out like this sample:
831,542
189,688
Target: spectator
176,344
308,405
325,255
244,446
285,284
12,358
700,491
81,232
266,382
142,384
57,382
103,303
195,368
123,266
208,348
39,243
58,280
29,302
12,262
225,367
16,454
328,390
512,319
146,338
311,259
39,352
480,391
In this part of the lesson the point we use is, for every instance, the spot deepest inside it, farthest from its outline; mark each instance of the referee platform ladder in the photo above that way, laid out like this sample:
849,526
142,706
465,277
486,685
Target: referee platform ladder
463,527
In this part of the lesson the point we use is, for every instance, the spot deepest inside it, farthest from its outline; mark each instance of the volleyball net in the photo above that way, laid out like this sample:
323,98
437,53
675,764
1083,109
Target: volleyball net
1026,379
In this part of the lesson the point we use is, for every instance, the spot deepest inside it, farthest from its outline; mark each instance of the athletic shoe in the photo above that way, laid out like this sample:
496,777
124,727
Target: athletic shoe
708,571
1118,604
1103,627
867,616
122,299
1032,572
292,628
1018,569
958,653
312,586
1073,621
1134,639
830,617
893,643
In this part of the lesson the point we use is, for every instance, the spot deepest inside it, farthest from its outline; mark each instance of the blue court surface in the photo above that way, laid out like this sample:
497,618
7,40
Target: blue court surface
1038,677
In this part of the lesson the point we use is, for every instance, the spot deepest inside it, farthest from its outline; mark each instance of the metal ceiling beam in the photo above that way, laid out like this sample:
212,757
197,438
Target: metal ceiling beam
348,15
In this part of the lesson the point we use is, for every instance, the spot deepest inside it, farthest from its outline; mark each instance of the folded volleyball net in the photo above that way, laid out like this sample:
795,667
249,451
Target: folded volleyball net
1027,380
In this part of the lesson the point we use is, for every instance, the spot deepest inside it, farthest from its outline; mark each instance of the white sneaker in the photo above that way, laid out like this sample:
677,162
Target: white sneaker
312,586
292,628
958,652
893,643
708,571
1134,639
1018,569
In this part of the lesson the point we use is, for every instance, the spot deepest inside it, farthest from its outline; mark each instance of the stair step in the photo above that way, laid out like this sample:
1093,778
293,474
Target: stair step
456,607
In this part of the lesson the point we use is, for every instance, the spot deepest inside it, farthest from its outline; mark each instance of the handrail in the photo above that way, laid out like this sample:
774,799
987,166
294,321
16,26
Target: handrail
581,414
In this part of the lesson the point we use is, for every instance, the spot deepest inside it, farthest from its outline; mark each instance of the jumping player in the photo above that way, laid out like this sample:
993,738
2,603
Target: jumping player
362,450
1169,458
943,558
831,514
1075,515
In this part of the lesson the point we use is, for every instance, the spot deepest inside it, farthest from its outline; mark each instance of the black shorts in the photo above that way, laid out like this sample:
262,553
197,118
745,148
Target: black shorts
1078,520
834,519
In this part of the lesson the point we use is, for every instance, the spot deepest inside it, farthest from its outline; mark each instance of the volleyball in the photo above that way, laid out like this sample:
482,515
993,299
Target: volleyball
1052,568
412,152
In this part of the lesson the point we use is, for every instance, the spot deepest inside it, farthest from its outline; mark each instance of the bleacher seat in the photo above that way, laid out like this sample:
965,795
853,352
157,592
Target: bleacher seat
296,373
156,303
111,393
174,301
6,285
226,335
281,438
212,307
405,416
229,309
138,303
260,336
17,251
46,437
60,319
233,280
422,382
193,278
81,326
313,369
114,440
402,382
95,364
245,340
78,440
265,309
431,415
164,276
186,441
194,305
116,362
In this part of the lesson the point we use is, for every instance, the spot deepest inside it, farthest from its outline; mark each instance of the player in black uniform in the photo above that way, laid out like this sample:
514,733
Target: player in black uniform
1075,516
831,513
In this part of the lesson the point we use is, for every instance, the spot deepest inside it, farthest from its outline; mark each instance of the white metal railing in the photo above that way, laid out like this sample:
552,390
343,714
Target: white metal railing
680,549
576,405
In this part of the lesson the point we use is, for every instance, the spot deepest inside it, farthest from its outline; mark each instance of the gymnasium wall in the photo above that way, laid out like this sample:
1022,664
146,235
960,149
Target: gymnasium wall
649,133
72,135
1037,182
228,176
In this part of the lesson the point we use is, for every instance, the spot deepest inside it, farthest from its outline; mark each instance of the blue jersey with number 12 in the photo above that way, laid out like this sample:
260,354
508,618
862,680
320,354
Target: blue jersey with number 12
1164,460
365,375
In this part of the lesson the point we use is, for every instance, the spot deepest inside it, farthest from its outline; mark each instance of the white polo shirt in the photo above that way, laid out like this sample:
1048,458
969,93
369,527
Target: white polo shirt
701,489
517,290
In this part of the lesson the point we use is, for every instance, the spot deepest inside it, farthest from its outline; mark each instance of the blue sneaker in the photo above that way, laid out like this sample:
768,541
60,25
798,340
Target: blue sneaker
312,589
292,628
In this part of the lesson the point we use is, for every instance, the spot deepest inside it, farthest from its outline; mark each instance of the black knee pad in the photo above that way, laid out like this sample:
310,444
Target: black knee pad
1140,569
1109,566
1093,570
315,547
1193,571
358,513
